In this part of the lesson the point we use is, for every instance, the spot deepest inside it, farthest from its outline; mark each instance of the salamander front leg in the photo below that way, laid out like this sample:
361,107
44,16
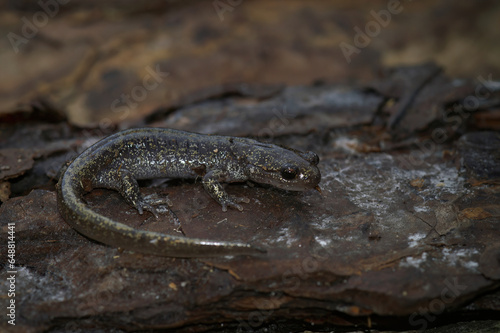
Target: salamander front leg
211,183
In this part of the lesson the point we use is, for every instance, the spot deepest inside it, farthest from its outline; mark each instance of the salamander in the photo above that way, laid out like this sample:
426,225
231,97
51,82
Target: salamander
118,161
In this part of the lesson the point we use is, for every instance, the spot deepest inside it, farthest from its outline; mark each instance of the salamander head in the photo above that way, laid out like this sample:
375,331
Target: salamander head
283,168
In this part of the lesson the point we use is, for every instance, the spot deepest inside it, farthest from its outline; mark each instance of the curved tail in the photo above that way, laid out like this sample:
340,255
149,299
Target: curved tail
103,229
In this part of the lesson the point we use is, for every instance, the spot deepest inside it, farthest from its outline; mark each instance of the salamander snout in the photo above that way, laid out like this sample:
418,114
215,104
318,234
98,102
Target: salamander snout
287,169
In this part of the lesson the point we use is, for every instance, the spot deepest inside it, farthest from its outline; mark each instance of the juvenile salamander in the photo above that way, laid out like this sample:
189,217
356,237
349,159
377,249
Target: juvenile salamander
118,161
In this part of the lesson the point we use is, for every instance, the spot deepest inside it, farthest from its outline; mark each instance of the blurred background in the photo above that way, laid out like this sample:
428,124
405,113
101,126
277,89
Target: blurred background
118,61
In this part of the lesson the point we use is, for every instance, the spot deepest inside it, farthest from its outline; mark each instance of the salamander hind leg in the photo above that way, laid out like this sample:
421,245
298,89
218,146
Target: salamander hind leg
124,182
211,183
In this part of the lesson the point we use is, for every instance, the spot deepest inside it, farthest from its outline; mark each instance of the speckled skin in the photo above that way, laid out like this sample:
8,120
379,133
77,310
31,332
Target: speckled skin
117,161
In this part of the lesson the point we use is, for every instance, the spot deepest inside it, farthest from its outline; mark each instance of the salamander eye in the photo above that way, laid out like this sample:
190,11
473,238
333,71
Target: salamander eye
289,172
